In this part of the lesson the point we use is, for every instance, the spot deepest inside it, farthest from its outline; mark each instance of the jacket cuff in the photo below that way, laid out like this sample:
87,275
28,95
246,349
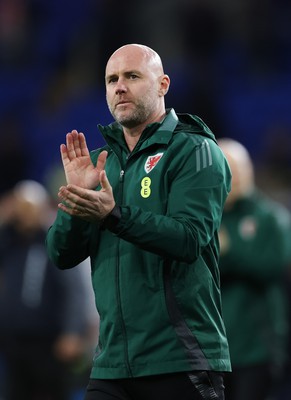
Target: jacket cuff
112,219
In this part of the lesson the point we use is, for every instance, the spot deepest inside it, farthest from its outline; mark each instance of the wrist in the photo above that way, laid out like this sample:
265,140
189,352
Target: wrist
111,219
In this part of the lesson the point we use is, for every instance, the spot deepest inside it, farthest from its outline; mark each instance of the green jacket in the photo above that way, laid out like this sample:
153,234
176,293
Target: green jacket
252,273
155,274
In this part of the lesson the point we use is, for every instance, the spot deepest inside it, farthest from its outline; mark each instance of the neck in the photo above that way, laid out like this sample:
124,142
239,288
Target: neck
132,135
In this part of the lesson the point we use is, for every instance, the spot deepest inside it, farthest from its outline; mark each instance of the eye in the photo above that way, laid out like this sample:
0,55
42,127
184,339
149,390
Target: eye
112,79
133,76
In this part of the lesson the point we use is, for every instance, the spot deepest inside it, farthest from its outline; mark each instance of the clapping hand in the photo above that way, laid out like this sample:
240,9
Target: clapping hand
79,169
79,198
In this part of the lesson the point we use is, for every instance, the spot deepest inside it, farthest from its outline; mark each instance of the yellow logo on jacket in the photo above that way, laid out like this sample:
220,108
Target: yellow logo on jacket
145,187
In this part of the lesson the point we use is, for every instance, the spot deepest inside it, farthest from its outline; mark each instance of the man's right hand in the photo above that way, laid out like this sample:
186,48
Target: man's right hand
79,169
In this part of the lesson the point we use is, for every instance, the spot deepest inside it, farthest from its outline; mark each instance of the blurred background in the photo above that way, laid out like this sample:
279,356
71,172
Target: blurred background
229,62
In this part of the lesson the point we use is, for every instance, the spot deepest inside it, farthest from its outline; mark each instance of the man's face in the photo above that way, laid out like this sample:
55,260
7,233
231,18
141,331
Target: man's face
132,88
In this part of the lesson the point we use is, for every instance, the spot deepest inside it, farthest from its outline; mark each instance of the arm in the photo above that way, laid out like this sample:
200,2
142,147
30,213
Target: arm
195,204
68,238
68,241
195,201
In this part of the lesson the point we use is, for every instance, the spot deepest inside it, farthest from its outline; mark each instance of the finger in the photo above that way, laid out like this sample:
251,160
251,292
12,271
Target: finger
74,204
64,155
71,203
76,143
69,210
77,191
74,195
63,196
83,145
101,161
74,213
105,184
70,144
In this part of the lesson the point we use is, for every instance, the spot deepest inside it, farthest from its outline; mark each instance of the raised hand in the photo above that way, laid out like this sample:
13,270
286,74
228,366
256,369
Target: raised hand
79,169
87,204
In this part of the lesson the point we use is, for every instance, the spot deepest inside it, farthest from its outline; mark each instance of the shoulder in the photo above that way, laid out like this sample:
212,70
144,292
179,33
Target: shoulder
195,134
202,149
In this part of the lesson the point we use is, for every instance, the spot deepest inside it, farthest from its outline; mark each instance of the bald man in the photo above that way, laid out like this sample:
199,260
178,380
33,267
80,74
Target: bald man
241,165
146,209
255,252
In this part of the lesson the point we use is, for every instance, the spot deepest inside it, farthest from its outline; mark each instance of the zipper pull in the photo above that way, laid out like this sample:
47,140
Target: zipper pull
121,175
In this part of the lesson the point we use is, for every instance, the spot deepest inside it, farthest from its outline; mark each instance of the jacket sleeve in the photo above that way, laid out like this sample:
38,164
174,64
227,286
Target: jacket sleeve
195,201
68,240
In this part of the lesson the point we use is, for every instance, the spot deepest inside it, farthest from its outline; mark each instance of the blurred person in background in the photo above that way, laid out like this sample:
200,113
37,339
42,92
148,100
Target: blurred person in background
255,238
43,311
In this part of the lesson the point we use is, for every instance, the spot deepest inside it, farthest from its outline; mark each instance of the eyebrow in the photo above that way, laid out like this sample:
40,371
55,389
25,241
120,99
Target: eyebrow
126,73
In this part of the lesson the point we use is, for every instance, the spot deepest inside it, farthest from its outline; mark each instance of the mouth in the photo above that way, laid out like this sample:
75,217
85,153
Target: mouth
122,103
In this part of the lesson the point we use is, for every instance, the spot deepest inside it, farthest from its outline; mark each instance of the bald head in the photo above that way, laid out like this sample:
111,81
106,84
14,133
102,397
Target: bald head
31,203
241,167
142,53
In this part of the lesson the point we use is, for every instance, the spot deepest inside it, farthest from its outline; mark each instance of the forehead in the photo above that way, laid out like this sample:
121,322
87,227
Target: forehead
125,60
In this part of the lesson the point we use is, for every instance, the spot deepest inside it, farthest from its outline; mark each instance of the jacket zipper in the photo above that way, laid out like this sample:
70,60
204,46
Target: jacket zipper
121,179
121,175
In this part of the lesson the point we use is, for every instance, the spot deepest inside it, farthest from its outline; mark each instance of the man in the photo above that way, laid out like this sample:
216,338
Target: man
255,251
146,208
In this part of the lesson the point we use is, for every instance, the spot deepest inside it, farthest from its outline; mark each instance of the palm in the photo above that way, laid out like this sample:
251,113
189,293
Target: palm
81,172
79,169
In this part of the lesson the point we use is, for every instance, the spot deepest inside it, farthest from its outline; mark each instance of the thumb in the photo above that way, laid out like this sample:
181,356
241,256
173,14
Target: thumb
105,185
101,161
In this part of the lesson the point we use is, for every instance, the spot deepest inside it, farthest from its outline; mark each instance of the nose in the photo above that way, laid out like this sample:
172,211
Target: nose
120,86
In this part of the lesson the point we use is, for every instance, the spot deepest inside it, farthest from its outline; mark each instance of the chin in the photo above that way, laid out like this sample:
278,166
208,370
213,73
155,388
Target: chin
126,120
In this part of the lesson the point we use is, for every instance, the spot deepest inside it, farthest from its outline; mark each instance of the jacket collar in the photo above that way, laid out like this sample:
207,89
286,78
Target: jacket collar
157,132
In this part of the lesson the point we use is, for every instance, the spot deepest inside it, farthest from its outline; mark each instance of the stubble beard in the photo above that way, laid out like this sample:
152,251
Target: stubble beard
137,116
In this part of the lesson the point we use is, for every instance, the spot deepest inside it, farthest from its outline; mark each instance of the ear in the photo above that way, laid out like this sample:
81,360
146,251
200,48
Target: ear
164,84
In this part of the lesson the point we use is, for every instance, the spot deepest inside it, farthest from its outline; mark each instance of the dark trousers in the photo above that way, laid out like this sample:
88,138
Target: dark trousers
200,385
